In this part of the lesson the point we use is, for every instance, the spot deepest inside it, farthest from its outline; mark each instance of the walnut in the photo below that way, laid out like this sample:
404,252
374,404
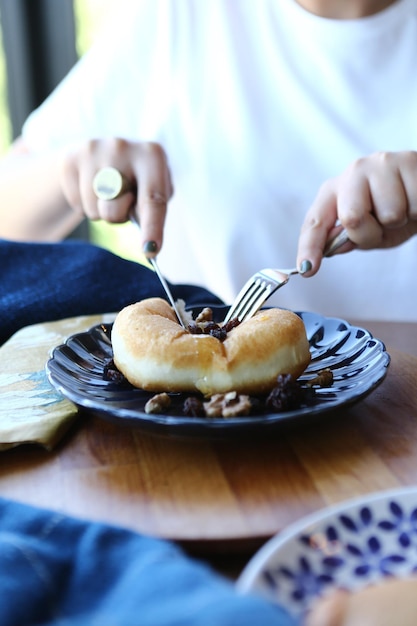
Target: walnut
324,378
227,405
214,407
206,315
204,325
158,403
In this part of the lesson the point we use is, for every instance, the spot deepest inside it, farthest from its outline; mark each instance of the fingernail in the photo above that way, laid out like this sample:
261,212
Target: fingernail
305,266
150,247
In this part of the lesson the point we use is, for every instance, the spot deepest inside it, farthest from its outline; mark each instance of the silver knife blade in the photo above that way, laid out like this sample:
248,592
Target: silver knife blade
153,262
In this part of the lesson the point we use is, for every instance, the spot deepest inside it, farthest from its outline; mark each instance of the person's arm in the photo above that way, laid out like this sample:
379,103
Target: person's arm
32,204
392,602
375,200
43,197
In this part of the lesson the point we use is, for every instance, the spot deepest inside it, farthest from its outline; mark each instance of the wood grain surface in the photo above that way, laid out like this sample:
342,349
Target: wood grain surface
400,336
225,496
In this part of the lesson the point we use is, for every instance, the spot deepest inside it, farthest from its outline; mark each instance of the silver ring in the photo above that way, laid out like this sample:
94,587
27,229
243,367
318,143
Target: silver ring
109,184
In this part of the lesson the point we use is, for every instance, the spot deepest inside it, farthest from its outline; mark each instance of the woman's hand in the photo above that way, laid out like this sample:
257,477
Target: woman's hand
145,167
375,200
390,603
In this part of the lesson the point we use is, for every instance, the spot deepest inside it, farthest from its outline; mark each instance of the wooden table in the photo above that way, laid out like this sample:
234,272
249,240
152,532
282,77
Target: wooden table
399,336
223,498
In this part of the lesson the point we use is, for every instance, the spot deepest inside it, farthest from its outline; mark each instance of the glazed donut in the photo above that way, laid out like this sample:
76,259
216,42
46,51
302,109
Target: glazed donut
154,352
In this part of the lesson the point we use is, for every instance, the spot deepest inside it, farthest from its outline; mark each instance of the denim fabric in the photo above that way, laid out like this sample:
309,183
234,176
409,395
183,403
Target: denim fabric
55,570
42,282
61,571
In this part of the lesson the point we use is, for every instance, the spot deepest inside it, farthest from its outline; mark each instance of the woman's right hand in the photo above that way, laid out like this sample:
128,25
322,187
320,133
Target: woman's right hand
144,165
374,199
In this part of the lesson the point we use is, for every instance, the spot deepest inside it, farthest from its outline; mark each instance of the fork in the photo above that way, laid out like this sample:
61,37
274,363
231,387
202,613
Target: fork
256,291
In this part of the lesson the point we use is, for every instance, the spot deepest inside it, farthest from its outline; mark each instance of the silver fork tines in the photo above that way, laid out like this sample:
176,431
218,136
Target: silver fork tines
256,291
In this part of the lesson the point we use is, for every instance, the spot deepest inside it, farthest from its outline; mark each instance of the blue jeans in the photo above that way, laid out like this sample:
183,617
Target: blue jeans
57,570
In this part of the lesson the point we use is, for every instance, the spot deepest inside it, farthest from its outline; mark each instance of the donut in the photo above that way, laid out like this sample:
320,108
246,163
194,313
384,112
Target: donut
155,353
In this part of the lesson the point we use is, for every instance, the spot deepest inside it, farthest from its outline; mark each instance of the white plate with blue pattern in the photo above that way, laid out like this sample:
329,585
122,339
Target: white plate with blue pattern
349,546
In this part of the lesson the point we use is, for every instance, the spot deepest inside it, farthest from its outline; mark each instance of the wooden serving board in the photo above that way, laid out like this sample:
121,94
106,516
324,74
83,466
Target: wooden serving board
224,495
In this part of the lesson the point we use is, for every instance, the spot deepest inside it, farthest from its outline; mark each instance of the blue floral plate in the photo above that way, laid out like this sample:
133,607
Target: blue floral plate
349,545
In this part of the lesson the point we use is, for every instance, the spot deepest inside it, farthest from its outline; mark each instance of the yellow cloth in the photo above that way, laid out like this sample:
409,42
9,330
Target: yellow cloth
31,410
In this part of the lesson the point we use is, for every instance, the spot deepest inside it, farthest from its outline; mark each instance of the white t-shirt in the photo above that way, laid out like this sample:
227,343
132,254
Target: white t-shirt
256,103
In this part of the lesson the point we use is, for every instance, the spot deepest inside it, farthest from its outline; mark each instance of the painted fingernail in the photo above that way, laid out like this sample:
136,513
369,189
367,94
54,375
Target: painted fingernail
150,247
305,266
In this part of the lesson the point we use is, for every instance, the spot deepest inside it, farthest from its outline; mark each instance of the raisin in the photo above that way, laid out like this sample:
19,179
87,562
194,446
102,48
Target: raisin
213,329
112,374
231,324
193,407
204,324
286,395
195,329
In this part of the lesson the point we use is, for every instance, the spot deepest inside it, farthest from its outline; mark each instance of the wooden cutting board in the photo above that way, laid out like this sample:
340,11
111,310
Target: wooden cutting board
224,495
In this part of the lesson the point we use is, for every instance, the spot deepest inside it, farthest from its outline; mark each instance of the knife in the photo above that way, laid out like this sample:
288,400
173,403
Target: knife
154,264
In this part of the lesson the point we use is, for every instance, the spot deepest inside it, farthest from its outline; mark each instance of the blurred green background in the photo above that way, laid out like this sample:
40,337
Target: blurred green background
90,15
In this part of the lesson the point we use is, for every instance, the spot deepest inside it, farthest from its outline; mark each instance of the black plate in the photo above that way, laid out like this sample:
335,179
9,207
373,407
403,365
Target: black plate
359,363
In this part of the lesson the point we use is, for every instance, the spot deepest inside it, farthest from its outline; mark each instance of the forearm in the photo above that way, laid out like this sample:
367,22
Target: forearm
32,204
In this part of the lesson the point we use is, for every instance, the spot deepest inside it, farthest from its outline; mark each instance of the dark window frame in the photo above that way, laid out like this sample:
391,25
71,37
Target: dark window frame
39,47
